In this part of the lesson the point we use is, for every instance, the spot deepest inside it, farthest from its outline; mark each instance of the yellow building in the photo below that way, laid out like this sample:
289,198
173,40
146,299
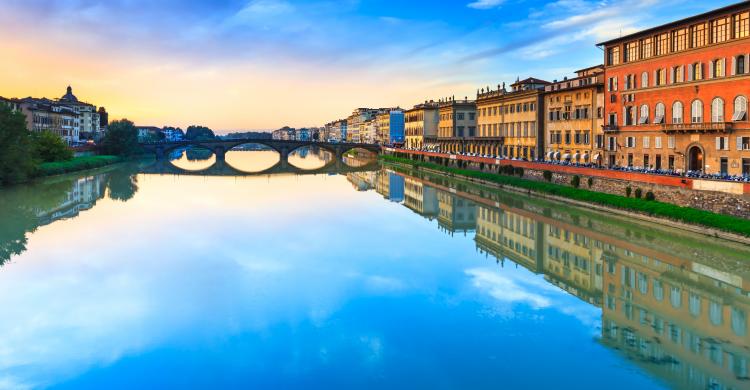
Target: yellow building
458,124
511,124
509,235
573,262
574,129
421,125
383,123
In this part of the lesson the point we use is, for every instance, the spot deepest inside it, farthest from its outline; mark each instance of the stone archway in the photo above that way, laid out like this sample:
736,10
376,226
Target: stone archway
695,158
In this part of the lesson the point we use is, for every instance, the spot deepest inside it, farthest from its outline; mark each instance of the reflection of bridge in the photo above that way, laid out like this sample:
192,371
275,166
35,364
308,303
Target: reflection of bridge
222,168
220,147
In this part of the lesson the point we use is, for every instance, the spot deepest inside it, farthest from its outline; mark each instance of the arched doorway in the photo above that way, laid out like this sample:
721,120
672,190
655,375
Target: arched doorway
695,158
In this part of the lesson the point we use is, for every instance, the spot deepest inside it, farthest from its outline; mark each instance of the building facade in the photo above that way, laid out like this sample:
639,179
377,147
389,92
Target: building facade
574,122
511,123
356,120
390,127
89,121
458,124
47,115
421,125
676,95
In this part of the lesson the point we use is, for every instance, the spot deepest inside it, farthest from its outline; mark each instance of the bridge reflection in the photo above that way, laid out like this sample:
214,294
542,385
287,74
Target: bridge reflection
673,303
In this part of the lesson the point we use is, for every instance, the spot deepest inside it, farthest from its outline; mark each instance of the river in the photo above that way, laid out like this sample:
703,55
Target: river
384,278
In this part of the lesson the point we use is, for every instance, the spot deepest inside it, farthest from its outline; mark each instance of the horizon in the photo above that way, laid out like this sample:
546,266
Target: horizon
242,65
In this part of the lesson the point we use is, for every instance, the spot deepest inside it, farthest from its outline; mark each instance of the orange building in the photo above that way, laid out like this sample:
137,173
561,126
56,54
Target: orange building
676,95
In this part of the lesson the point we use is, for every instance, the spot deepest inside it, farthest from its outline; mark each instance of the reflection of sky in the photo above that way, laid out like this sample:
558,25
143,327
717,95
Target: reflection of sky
282,282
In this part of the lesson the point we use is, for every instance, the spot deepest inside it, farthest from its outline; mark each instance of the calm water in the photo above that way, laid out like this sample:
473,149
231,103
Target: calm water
124,278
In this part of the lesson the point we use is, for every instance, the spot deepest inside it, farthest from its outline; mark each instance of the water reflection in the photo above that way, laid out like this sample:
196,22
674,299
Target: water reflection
675,304
310,157
187,262
192,158
252,158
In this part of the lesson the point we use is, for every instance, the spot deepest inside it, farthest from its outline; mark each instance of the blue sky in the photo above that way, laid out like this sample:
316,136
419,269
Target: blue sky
241,64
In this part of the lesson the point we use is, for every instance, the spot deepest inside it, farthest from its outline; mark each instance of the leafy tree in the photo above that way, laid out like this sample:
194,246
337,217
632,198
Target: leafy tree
121,139
199,133
49,147
16,157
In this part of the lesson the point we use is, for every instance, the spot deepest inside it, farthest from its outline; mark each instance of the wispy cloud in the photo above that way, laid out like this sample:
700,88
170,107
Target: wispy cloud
485,4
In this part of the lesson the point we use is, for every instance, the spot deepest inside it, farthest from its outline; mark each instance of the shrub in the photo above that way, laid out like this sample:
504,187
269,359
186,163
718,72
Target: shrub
49,147
519,172
575,181
591,182
650,196
638,193
628,191
76,164
547,175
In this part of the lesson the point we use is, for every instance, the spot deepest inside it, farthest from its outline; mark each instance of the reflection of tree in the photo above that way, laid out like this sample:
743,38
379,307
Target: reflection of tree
122,185
14,223
198,154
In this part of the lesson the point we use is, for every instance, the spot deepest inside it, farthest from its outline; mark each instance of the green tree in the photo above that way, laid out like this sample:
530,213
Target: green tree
16,152
49,147
199,133
121,139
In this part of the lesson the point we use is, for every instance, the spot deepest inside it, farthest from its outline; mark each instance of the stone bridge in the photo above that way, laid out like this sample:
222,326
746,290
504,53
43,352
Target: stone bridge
221,146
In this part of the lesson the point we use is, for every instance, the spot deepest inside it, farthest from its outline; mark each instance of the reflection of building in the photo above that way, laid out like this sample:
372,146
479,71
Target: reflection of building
575,111
82,196
508,235
362,181
420,123
573,262
677,94
420,198
682,320
396,187
456,214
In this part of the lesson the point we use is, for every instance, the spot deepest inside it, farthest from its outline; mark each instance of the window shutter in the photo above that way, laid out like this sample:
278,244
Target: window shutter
724,67
656,78
691,76
747,63
683,73
711,70
726,143
734,66
739,143
718,143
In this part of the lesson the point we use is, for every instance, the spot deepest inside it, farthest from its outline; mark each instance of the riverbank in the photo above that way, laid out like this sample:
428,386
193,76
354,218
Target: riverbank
75,165
657,209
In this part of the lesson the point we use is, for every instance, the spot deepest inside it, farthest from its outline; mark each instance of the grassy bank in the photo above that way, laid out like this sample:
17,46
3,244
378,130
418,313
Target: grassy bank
76,164
653,208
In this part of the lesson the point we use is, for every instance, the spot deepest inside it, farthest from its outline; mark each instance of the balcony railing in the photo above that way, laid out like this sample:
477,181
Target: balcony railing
723,127
611,128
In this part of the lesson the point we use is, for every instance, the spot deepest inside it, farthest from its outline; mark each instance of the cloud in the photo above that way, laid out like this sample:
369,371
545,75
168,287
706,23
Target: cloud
485,4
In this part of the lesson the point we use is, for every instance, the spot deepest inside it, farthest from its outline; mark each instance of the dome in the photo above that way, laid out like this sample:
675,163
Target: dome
69,97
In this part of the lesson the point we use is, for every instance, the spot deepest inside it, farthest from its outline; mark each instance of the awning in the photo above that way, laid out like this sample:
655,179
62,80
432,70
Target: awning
576,157
585,157
597,157
566,156
550,155
557,155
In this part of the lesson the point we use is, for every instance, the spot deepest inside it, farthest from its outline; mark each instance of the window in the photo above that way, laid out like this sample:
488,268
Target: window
671,142
677,74
472,116
739,64
717,68
696,112
694,302
696,71
629,142
644,115
720,30
662,47
613,56
739,323
644,80
742,25
659,113
717,110
647,46
740,109
660,77
658,290
629,116
675,297
715,313
677,112
722,143
631,51
657,142
646,145
680,40
699,35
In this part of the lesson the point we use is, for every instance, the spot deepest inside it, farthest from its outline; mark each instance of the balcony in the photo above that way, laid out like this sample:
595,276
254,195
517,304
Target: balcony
611,128
720,127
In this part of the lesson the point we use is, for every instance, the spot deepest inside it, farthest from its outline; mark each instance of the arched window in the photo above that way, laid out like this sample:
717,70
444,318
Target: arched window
677,111
717,110
644,80
644,115
696,112
659,112
718,68
740,66
740,108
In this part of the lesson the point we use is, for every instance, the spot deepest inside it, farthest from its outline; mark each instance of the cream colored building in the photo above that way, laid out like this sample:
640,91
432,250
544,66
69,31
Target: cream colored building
458,124
574,123
421,125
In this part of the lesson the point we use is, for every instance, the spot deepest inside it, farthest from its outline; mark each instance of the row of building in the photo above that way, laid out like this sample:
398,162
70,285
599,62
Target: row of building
73,120
673,97
677,309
